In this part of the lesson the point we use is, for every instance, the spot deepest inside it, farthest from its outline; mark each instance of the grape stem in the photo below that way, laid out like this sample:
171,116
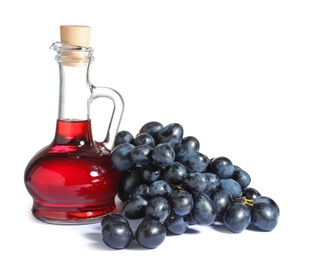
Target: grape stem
177,187
245,201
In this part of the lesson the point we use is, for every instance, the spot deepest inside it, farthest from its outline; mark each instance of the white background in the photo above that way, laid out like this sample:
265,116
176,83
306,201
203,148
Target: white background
235,74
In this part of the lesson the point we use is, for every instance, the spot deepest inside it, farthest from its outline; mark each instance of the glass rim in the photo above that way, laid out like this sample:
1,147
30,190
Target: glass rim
64,47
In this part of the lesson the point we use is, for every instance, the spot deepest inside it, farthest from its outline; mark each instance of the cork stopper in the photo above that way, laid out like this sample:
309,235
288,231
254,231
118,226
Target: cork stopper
75,35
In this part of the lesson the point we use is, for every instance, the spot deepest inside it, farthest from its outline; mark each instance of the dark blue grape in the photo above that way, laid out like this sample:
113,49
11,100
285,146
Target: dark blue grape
204,211
171,134
222,167
117,234
213,183
158,208
142,190
181,202
269,201
237,168
237,217
194,161
187,145
175,173
163,155
129,182
134,208
151,173
152,128
232,187
123,137
120,157
141,155
176,224
242,177
160,188
195,182
264,216
113,217
209,169
191,220
222,200
150,233
250,193
144,139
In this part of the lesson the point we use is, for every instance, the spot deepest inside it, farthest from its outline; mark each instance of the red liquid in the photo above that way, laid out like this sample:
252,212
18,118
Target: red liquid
71,180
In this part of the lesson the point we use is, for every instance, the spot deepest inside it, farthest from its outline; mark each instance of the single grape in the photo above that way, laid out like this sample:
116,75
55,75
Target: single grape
250,193
222,167
120,157
151,173
191,220
237,168
158,208
232,187
141,190
209,169
204,211
269,201
264,216
150,233
242,177
141,155
144,139
152,128
160,188
163,155
123,137
181,202
134,208
187,145
171,134
176,224
194,161
117,234
130,181
113,217
237,217
222,200
175,173
213,183
195,182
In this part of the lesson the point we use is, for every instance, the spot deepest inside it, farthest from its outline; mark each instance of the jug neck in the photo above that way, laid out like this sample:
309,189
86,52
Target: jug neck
74,85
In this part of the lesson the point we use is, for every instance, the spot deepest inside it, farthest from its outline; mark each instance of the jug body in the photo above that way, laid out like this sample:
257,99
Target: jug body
71,180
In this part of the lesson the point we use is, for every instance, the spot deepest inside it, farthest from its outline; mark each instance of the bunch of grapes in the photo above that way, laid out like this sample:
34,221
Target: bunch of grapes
170,185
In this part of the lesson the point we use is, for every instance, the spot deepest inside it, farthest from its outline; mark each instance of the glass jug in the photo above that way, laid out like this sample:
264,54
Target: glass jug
71,180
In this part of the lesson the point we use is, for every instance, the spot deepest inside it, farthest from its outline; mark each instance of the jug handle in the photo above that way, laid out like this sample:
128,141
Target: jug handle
117,113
